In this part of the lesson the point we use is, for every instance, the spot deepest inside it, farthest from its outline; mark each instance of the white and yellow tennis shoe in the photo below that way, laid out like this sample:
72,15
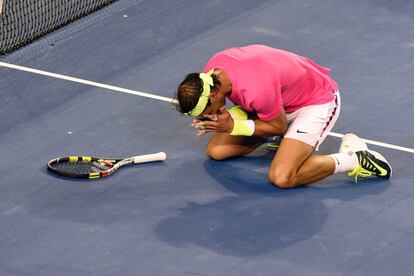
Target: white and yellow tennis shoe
273,143
371,163
351,142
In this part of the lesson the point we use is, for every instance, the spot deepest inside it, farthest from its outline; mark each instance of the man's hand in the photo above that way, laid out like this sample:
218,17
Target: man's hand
222,122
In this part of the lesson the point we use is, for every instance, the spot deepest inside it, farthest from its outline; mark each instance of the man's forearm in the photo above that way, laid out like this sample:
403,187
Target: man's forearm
265,129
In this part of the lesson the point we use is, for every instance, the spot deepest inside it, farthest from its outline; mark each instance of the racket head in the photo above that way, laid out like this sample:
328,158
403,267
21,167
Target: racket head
82,166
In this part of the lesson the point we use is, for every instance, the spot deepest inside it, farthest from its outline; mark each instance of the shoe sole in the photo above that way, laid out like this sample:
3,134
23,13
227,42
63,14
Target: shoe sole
347,146
380,157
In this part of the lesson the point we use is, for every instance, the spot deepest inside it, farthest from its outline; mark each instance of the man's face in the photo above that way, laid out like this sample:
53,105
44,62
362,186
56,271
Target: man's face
217,101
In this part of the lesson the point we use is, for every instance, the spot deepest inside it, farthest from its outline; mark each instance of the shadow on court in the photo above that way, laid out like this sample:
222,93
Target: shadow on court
259,218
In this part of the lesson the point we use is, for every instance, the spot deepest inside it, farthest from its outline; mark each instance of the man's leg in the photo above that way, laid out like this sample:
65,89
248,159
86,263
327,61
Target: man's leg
222,145
293,165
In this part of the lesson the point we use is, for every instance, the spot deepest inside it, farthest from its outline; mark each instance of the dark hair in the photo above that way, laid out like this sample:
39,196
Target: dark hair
189,91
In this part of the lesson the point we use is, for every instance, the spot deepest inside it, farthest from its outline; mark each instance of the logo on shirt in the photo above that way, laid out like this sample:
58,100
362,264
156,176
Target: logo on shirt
300,131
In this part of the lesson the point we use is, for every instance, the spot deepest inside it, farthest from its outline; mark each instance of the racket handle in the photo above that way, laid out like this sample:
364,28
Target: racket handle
160,156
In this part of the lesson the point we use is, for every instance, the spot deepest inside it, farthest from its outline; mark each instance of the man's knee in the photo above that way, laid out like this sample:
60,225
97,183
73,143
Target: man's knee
216,153
283,180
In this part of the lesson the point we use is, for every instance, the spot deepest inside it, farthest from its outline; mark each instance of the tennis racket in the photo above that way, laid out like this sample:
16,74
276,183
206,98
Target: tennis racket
96,167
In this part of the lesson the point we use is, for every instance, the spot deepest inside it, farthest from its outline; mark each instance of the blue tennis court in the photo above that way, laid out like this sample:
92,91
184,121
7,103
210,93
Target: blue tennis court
190,215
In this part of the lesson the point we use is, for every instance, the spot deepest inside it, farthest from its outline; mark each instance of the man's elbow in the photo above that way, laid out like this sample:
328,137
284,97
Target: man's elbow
283,128
280,128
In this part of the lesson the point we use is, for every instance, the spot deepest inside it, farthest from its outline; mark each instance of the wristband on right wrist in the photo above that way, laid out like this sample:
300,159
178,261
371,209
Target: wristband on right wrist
243,128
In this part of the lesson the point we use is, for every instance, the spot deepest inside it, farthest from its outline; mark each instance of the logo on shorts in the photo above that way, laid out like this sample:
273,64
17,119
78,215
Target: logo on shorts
300,131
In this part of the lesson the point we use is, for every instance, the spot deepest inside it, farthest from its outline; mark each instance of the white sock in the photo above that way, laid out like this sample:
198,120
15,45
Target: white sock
345,162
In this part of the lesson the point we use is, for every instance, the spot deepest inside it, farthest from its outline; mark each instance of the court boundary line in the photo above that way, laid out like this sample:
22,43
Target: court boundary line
161,98
82,81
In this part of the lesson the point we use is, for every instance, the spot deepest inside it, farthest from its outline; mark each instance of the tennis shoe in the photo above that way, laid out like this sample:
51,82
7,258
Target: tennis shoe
371,163
273,143
351,142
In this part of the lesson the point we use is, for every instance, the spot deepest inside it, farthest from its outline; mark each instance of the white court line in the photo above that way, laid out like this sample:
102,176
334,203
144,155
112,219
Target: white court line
91,83
381,144
152,96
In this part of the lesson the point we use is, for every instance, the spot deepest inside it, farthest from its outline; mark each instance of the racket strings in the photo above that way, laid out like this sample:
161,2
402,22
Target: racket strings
82,167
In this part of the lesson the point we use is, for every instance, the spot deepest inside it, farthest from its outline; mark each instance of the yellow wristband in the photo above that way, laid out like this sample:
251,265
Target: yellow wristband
243,128
237,113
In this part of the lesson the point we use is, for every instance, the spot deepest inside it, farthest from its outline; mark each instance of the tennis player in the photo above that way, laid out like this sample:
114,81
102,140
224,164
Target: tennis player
275,93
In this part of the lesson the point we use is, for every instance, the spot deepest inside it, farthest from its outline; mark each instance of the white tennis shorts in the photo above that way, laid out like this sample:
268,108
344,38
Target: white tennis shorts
311,124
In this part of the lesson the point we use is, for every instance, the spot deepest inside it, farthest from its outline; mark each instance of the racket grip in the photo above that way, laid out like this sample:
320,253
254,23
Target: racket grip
160,156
